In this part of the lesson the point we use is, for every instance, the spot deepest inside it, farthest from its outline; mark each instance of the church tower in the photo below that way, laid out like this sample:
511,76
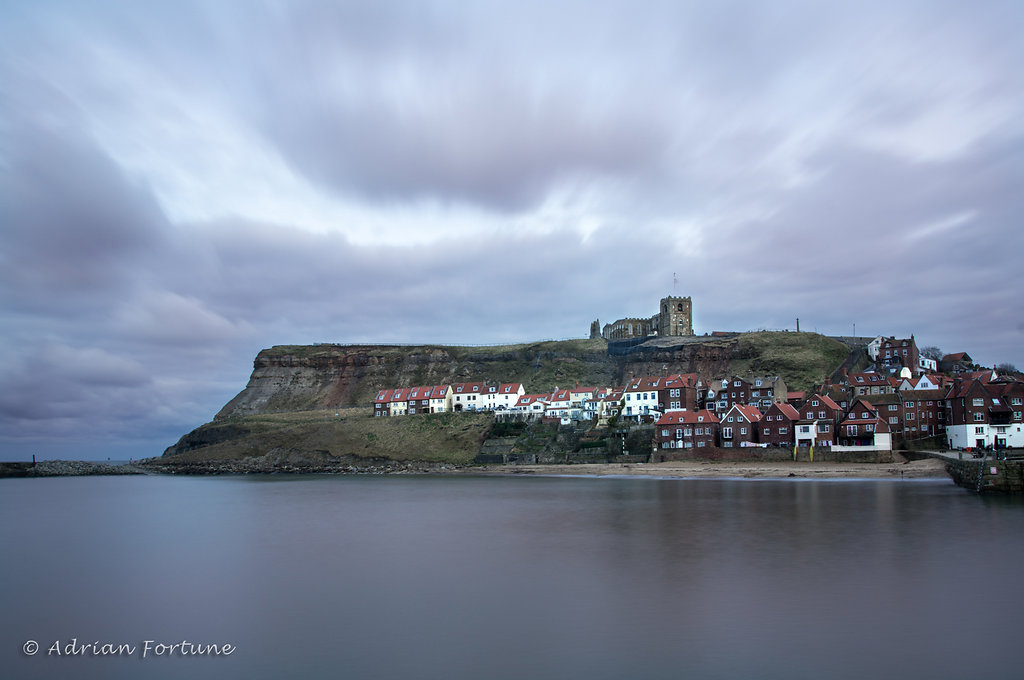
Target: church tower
675,316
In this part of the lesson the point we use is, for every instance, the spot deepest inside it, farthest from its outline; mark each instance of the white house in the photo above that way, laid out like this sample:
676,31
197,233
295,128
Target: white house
468,397
641,397
501,397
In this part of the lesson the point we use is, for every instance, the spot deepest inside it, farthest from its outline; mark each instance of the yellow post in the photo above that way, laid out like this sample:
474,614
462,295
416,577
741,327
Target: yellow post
812,452
794,453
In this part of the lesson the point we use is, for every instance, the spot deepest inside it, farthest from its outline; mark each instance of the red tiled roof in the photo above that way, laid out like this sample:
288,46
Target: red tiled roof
786,409
468,388
675,417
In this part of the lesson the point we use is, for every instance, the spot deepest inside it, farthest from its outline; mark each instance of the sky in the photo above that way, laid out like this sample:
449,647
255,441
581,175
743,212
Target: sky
185,183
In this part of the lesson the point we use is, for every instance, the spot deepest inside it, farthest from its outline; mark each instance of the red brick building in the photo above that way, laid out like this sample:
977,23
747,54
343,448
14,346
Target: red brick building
738,426
776,428
863,426
692,430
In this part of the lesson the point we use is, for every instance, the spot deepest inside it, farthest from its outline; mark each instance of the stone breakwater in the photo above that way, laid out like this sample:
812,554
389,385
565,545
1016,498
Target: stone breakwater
260,465
988,476
67,468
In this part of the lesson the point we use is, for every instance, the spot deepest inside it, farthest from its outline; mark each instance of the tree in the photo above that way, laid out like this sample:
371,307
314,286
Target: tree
1006,367
932,353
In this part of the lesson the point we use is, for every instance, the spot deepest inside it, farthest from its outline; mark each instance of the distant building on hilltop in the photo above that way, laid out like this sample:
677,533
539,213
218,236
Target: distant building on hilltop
675,318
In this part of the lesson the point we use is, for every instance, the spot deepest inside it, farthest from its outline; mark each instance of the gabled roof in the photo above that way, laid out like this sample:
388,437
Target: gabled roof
613,396
748,412
785,409
956,357
824,400
510,388
867,378
527,399
966,387
468,388
648,384
560,395
676,417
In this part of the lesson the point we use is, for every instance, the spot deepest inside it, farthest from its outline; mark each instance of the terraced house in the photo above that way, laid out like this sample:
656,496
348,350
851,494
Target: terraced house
686,430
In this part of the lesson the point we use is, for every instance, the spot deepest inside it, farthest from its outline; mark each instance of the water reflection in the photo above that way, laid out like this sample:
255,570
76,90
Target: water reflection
511,578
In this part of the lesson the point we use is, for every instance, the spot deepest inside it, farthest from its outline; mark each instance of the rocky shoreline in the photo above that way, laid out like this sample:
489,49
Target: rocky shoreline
259,465
68,468
352,465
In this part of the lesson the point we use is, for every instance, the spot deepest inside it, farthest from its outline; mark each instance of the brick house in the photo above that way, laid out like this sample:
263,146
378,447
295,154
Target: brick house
686,430
678,392
776,428
819,416
869,383
957,362
738,426
894,354
923,413
382,404
766,390
864,427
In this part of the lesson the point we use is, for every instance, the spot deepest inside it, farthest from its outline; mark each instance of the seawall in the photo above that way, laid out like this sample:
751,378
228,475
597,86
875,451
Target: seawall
988,476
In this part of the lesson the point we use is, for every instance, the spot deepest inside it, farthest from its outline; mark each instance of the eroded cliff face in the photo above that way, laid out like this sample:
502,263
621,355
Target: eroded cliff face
331,376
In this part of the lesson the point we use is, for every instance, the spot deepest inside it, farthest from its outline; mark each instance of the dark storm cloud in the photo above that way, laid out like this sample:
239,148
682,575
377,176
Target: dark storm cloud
73,224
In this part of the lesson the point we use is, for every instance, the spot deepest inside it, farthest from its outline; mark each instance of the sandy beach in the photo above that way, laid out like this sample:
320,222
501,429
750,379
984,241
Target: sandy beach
751,469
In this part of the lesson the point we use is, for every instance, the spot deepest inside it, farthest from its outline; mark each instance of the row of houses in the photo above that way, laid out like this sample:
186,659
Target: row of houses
975,409
978,411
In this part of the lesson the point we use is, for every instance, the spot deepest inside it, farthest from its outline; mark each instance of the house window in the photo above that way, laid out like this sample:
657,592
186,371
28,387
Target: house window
892,420
851,430
810,415
977,402
910,416
664,433
700,443
1015,401
910,404
979,417
679,434
783,430
727,432
979,430
743,430
865,415
893,407
767,431
821,414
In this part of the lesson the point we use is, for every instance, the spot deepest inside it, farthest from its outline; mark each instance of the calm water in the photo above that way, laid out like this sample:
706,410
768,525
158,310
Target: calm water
434,577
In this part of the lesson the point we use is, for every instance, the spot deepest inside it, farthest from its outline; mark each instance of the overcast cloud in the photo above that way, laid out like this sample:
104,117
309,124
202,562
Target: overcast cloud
183,184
